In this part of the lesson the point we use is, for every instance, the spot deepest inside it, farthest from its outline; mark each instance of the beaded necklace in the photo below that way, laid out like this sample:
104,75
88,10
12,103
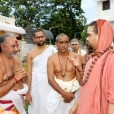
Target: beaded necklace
98,55
63,75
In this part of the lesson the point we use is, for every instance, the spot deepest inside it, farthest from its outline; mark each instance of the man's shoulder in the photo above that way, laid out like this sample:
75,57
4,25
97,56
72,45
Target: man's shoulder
30,52
53,56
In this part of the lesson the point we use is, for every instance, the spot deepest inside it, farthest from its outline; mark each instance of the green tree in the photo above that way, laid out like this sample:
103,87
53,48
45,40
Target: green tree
29,13
67,16
4,8
84,35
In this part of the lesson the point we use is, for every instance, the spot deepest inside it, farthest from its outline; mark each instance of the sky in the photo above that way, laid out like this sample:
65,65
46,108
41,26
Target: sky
89,7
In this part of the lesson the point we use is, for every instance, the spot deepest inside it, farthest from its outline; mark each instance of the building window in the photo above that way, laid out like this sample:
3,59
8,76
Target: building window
106,5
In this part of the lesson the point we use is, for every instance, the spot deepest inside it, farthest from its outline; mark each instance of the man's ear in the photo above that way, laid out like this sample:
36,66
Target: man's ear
2,47
33,39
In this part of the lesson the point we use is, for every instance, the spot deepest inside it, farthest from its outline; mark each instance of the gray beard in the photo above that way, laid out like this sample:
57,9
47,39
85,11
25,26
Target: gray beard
10,55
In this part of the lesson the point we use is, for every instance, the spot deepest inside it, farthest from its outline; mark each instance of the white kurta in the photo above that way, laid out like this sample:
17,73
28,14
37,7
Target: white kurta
39,85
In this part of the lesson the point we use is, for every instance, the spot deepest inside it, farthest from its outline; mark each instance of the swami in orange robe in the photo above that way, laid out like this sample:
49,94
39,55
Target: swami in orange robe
98,91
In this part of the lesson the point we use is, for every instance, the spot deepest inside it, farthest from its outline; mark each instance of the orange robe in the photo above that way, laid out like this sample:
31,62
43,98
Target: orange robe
99,89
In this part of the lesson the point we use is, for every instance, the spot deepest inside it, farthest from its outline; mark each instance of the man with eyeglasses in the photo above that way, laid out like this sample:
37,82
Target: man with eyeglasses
75,45
37,74
63,77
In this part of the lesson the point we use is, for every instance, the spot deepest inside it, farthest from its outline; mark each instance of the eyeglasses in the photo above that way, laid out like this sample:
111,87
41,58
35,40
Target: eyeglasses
38,37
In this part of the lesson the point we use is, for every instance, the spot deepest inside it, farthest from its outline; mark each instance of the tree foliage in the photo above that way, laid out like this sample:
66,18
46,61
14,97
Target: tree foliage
4,8
84,35
66,14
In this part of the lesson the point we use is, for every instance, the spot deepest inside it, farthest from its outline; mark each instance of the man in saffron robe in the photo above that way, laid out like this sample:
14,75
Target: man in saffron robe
97,90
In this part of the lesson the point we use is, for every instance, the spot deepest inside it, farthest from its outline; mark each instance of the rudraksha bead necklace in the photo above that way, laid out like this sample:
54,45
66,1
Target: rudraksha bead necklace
83,81
63,74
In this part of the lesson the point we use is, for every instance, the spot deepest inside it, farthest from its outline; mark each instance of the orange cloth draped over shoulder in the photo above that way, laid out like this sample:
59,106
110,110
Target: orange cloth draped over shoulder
99,89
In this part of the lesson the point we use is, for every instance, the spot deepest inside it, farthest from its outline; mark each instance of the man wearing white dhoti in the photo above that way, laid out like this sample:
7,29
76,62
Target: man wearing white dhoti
63,77
14,100
37,74
12,75
55,104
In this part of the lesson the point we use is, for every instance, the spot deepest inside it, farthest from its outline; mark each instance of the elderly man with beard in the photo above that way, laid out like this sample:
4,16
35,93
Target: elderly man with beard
97,82
37,74
63,77
12,75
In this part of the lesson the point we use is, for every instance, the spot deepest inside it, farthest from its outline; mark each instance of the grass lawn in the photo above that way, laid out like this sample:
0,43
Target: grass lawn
25,66
26,106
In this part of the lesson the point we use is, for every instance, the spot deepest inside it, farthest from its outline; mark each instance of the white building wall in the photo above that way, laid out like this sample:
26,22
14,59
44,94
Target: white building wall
105,14
24,49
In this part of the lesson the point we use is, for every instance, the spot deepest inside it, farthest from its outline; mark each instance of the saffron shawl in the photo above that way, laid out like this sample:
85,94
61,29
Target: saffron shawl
99,89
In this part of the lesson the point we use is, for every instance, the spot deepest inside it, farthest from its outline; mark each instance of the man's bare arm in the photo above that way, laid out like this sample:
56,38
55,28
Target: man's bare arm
73,109
77,62
29,73
110,108
4,89
18,64
1,75
79,67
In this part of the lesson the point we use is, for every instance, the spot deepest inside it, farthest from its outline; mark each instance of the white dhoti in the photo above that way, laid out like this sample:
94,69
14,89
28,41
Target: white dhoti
55,103
40,87
14,99
40,90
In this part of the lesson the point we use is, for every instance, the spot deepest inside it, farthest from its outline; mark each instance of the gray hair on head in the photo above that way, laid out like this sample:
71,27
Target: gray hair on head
61,35
3,38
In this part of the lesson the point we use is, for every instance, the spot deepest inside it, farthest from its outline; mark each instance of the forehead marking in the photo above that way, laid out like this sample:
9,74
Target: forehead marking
90,30
74,43
16,42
